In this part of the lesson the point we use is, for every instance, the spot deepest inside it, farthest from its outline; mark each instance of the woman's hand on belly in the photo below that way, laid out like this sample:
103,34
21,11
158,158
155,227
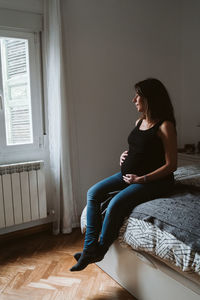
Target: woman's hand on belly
123,157
132,178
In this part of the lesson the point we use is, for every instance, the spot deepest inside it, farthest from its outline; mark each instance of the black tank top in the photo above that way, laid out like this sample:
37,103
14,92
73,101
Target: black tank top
146,152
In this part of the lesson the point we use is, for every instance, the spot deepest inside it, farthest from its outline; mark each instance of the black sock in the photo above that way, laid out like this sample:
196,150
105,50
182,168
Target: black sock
77,255
85,259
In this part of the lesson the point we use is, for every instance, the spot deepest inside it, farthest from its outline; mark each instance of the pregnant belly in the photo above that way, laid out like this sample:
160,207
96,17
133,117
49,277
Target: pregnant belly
133,164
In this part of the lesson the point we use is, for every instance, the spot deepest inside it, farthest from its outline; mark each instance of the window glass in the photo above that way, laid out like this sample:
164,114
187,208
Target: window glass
16,91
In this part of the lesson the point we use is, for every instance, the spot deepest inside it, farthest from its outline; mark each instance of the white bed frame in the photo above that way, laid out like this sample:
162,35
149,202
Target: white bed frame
145,277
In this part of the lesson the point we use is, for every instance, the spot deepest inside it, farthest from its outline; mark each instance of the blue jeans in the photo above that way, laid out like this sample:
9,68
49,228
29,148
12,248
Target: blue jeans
120,206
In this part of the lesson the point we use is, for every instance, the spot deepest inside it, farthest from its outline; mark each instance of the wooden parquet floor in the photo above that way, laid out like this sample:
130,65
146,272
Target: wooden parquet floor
37,267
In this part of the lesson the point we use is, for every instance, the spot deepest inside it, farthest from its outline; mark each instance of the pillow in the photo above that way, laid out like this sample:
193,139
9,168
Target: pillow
189,175
83,220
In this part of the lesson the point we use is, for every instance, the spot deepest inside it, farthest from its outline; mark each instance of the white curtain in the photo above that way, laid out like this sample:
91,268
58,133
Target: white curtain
58,121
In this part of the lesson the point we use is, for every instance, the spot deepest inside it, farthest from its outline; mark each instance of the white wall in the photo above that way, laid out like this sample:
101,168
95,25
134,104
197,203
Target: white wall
110,45
190,109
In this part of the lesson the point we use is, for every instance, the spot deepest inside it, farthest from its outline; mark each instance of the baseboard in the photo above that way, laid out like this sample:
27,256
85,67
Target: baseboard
25,232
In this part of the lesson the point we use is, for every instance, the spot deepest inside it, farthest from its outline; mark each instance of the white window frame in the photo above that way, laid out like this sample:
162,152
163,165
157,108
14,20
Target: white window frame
36,97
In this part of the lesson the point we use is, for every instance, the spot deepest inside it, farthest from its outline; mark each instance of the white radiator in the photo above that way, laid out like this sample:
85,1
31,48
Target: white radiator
22,193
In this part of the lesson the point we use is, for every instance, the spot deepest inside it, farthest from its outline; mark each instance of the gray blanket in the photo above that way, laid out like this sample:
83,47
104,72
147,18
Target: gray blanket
178,214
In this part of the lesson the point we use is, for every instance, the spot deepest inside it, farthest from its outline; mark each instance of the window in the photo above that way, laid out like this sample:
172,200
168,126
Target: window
16,91
20,96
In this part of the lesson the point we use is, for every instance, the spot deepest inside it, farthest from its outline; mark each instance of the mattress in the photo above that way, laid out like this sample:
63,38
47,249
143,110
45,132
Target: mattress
168,228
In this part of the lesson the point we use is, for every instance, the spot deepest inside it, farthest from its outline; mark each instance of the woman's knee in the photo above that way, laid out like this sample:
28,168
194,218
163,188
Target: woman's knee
100,191
123,203
116,207
94,193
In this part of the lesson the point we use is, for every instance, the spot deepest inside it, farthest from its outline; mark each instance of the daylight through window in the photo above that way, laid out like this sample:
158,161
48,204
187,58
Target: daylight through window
15,82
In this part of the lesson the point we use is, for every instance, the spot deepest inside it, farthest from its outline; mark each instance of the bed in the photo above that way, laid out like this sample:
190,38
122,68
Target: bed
157,253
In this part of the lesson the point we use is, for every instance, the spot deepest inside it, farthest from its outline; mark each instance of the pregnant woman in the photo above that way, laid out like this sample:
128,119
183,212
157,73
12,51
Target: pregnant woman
146,171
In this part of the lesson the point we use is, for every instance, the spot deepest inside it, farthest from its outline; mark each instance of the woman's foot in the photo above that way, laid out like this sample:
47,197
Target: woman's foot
85,259
77,255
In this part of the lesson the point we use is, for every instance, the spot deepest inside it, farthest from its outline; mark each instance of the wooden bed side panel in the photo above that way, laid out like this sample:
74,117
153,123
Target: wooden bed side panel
147,279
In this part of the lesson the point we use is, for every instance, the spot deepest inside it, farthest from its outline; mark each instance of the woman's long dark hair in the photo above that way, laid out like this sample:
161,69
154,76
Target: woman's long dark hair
159,106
